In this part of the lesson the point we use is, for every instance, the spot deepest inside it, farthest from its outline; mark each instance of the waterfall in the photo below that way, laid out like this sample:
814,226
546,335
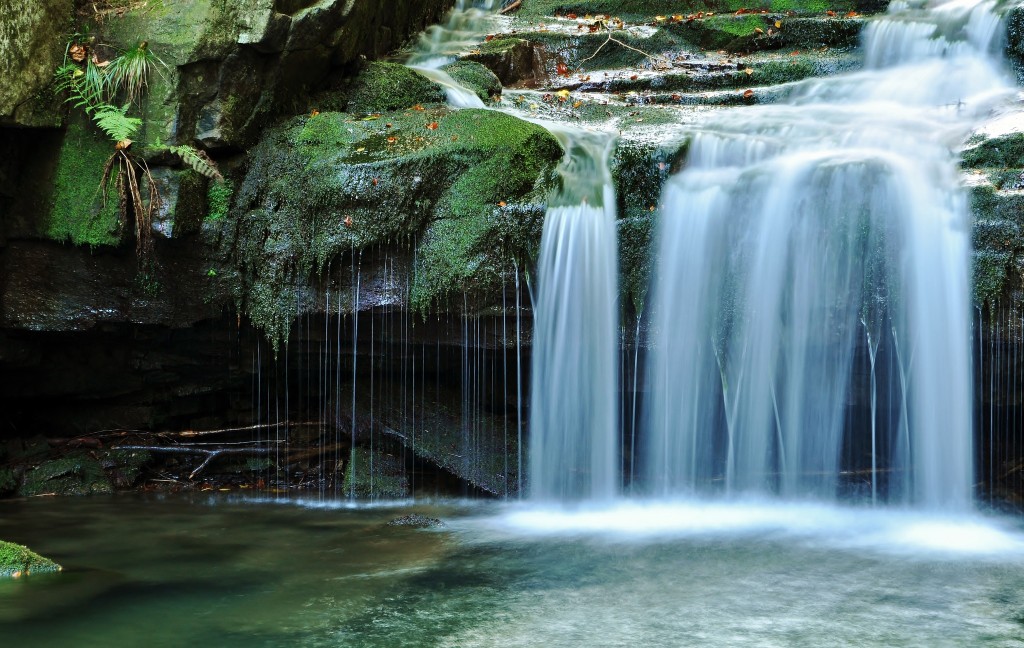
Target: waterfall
798,231
573,391
440,45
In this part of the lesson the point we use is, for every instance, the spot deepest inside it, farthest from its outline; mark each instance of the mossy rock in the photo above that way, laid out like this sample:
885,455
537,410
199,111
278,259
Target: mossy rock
324,186
125,466
374,476
383,87
75,474
78,212
647,10
476,77
18,560
8,481
1006,151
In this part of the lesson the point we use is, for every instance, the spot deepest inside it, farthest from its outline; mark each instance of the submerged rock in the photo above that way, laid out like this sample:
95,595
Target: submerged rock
416,521
18,560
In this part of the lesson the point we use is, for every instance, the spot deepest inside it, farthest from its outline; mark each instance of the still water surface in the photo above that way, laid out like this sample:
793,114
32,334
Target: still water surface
177,571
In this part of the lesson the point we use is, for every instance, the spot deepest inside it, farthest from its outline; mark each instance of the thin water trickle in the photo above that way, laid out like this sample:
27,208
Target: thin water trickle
791,225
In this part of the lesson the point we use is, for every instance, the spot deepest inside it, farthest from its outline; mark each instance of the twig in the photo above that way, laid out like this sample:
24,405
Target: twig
210,454
658,60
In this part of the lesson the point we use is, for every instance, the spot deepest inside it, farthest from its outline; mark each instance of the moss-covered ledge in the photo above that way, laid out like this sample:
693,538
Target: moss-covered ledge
18,560
464,188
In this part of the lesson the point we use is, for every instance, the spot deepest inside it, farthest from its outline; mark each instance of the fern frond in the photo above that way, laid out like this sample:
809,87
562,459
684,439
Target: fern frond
115,123
198,160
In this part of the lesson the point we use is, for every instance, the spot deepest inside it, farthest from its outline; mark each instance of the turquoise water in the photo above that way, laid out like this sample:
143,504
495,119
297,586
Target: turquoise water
214,572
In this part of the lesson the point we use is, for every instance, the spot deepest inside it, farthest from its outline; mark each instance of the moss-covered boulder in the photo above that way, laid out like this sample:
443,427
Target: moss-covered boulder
476,77
18,560
78,473
466,187
384,87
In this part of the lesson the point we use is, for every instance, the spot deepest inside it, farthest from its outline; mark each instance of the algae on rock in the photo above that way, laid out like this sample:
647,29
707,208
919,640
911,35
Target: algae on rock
18,560
469,182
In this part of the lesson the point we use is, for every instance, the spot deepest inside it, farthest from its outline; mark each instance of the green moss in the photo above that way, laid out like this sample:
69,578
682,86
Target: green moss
8,482
383,87
76,474
218,199
335,184
125,466
77,211
374,476
18,560
1005,151
989,275
476,77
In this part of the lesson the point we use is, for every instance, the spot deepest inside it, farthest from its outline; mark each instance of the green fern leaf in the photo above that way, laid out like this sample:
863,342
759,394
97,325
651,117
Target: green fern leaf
198,160
115,123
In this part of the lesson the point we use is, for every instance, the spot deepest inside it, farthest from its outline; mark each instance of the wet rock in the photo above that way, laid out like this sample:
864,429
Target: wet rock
32,41
417,521
18,560
384,87
515,61
469,184
476,77
75,474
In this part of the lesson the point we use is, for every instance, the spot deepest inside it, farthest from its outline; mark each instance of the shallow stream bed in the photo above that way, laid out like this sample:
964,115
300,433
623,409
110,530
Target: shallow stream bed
220,572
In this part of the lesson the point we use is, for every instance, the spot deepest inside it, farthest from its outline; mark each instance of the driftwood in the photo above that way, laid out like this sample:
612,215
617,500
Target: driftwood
512,7
210,453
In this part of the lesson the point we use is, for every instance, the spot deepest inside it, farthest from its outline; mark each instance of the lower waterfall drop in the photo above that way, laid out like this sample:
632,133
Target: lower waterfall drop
799,237
573,390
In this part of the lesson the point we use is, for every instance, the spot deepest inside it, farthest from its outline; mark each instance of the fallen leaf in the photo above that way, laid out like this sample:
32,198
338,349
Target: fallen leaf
563,69
577,104
563,95
571,16
748,94
852,14
758,30
392,140
633,78
348,221
77,52
830,13
376,181
676,96
314,113
778,24
795,53
489,38
501,203
432,126
360,149
749,71
417,107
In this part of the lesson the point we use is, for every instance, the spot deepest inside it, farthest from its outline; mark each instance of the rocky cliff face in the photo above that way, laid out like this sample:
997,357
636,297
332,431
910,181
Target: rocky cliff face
359,212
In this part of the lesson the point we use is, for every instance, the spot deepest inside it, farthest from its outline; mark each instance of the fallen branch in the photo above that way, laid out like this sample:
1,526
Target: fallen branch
229,430
512,7
210,454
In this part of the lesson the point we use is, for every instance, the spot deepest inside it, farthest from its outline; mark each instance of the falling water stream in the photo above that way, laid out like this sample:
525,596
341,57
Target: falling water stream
804,231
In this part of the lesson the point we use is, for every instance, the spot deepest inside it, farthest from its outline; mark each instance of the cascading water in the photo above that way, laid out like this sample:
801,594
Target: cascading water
803,231
573,392
442,44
